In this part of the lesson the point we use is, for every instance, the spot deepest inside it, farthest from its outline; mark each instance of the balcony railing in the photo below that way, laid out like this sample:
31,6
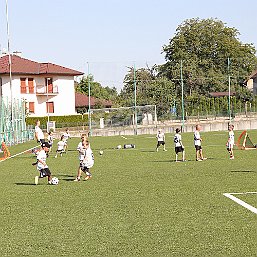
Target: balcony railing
42,90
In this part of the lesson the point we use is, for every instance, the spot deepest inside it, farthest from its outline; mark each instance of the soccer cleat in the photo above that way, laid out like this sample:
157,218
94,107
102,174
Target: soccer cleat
87,178
76,179
55,156
164,150
49,182
232,158
199,160
36,180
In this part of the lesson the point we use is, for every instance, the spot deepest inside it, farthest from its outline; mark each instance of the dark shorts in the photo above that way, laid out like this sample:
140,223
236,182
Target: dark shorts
41,141
45,173
83,167
198,147
179,149
160,143
60,151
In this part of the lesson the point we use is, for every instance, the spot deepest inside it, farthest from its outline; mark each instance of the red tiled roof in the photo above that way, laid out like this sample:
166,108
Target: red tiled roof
24,66
220,94
82,100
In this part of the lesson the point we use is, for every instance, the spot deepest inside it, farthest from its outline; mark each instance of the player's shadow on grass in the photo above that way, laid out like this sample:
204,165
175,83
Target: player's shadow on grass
65,177
246,171
24,184
173,161
148,151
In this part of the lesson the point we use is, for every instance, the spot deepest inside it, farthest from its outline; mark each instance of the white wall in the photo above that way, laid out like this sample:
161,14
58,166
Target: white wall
64,101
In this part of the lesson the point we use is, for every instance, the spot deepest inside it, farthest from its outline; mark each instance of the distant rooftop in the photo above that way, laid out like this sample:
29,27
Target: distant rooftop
24,66
221,94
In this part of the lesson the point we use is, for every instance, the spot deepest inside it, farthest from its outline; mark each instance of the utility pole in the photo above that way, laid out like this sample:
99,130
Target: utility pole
135,100
182,95
229,91
89,98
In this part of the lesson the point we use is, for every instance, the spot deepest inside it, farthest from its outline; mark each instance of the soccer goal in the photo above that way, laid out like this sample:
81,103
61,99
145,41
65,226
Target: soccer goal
123,116
244,142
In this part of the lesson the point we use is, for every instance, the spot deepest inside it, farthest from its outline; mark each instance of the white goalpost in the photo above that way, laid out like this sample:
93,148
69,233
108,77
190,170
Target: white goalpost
123,116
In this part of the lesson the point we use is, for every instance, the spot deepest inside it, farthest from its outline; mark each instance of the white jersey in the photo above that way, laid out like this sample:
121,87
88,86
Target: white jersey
177,140
50,139
160,137
86,155
60,145
66,136
197,138
41,155
231,138
40,134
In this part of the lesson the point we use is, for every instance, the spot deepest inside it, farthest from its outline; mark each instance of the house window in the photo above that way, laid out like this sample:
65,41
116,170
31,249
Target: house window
31,85
31,107
27,85
49,85
50,107
23,86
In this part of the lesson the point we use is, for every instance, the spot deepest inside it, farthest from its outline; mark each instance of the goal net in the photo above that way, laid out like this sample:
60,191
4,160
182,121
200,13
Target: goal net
123,116
244,142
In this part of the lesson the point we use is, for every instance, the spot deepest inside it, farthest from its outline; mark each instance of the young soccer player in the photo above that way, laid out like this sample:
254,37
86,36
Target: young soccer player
60,147
230,142
160,140
198,144
50,140
41,163
66,136
179,148
86,158
39,135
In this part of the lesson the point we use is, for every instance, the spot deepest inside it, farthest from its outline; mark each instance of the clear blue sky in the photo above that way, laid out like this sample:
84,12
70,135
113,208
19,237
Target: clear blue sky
111,34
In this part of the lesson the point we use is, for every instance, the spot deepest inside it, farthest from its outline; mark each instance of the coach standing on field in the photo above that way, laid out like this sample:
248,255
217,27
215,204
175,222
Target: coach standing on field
39,135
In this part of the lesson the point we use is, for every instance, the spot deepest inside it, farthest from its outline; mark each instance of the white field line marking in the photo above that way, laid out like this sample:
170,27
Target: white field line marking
240,202
19,153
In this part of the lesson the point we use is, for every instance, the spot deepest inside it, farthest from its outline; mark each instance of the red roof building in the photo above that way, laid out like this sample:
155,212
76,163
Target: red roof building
47,88
82,101
24,66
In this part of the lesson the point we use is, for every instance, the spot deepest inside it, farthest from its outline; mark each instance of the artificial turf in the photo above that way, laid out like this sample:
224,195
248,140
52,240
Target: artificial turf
139,202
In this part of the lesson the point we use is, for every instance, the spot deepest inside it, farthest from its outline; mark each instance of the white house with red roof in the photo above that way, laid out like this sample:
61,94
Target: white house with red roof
47,88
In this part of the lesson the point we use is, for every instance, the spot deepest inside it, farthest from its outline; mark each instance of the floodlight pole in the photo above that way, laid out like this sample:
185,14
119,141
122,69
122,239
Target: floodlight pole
10,59
89,98
182,95
229,91
47,100
135,100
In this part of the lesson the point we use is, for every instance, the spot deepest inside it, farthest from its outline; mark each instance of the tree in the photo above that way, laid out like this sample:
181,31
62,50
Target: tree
96,89
207,50
150,89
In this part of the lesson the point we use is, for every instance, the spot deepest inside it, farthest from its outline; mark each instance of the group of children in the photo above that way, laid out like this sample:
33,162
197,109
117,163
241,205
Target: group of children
86,157
179,147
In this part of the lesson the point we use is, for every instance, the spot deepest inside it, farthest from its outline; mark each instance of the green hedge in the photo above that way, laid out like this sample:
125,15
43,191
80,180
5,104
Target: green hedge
58,119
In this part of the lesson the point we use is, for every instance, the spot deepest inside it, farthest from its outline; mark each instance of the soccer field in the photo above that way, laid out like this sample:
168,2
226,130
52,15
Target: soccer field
138,203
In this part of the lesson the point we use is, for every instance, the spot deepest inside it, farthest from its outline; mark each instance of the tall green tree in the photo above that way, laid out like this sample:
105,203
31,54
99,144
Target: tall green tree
207,50
96,89
150,89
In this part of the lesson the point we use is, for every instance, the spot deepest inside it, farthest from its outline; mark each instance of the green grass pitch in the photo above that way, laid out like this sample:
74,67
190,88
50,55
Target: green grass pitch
138,203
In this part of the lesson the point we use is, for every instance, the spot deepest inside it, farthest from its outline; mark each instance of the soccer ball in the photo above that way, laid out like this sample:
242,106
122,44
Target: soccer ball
55,181
101,152
119,147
